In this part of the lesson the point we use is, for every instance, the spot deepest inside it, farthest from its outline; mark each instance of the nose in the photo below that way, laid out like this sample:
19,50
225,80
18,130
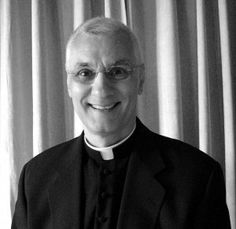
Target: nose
101,86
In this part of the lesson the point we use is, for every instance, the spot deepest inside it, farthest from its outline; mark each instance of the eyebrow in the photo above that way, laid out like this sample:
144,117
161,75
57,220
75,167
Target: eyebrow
83,65
121,62
118,62
77,66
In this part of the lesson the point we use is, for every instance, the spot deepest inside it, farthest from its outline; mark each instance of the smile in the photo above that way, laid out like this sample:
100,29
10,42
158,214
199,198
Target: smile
104,108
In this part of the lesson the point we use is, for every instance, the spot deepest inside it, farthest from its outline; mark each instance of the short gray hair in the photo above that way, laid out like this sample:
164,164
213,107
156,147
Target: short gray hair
106,26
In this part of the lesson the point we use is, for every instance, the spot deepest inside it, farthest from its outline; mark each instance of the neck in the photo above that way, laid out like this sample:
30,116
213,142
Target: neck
102,141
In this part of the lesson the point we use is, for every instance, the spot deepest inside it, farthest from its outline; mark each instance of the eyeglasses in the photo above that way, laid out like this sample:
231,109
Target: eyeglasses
87,75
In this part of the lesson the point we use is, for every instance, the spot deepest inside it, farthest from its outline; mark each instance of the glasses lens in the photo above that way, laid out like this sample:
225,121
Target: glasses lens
118,73
85,75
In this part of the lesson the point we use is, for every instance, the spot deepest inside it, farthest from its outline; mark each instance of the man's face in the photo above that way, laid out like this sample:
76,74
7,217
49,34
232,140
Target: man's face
105,107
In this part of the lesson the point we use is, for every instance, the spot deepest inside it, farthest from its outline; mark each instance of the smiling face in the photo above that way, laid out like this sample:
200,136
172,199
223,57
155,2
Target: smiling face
106,108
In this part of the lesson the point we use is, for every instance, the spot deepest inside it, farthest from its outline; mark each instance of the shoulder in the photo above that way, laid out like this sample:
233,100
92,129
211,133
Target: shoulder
54,158
179,151
176,154
64,149
184,168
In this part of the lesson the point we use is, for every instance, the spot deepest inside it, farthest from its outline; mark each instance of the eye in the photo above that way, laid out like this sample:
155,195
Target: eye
85,75
118,73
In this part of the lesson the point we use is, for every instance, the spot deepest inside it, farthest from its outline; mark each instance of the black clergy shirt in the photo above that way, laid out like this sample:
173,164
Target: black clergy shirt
103,182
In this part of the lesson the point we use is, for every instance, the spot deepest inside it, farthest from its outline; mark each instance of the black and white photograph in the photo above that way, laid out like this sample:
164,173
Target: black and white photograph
117,114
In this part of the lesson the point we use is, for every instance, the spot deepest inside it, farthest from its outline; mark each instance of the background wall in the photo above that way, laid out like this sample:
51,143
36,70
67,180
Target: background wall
189,49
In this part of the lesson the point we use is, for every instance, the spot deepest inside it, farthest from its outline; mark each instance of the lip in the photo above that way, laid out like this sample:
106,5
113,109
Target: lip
103,107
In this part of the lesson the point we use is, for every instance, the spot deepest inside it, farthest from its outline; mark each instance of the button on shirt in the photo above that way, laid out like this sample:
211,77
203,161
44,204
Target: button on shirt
103,185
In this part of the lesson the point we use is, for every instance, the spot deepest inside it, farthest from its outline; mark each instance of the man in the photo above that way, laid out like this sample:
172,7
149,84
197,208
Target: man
117,174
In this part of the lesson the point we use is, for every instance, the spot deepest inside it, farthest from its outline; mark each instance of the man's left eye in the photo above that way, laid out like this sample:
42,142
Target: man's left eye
118,73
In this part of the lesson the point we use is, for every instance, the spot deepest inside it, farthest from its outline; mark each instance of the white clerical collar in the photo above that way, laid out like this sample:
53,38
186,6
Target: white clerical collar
107,152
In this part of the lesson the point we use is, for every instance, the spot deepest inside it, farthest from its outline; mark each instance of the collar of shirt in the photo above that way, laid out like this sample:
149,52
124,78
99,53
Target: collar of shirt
107,153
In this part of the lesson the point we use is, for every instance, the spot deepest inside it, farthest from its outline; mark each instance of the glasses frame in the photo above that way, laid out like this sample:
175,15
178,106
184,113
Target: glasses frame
106,73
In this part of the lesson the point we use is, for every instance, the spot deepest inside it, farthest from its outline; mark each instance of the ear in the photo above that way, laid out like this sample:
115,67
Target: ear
68,79
68,85
141,80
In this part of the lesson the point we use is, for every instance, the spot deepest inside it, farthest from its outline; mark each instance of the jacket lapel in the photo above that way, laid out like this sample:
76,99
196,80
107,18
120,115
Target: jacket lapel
65,192
143,194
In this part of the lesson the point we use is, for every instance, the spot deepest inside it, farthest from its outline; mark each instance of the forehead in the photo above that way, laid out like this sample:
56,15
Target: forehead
100,49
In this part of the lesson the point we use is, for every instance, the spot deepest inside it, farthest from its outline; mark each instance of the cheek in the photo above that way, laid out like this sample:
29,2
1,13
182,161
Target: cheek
130,96
77,93
76,90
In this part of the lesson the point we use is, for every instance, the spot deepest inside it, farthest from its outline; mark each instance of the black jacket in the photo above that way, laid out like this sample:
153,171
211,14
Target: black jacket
169,185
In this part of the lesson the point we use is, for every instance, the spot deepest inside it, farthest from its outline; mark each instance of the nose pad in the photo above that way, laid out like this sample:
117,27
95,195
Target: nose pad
101,86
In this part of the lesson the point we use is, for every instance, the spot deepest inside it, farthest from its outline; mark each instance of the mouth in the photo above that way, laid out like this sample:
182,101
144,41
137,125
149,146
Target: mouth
104,107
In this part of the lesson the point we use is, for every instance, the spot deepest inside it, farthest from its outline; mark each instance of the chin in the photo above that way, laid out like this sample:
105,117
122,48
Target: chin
104,130
101,128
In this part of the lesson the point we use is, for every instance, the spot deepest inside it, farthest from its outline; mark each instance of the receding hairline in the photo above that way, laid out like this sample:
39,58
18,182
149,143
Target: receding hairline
108,27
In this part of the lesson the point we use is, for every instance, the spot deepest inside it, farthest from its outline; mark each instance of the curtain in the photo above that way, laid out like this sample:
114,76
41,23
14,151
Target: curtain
189,91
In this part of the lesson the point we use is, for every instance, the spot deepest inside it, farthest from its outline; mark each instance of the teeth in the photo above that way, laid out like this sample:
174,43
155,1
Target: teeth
98,107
